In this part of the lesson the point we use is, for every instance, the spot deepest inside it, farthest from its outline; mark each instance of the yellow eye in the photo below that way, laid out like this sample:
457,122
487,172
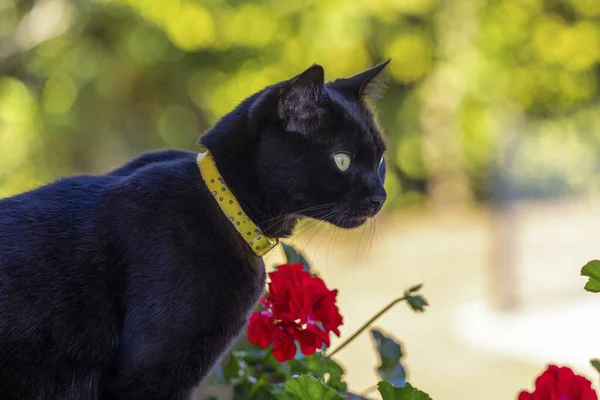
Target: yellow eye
342,160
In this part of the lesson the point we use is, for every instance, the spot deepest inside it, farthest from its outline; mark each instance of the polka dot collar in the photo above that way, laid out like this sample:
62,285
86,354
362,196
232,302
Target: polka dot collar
252,234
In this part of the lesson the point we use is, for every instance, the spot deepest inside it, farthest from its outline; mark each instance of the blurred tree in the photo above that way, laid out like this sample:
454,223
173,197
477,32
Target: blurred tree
86,85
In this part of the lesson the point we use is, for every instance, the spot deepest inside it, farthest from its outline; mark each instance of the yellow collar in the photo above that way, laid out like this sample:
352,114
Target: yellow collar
252,234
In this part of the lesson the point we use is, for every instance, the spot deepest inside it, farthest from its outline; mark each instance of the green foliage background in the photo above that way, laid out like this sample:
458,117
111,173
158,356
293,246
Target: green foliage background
87,84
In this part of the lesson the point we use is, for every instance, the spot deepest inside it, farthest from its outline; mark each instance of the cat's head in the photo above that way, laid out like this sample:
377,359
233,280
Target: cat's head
320,149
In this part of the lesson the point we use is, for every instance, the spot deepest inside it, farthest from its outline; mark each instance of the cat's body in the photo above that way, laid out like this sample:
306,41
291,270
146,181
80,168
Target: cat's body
117,282
131,285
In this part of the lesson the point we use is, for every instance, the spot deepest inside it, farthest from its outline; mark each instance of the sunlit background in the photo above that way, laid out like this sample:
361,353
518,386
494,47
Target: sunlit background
492,110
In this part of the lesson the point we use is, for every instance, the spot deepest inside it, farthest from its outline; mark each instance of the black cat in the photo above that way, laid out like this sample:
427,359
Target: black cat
131,285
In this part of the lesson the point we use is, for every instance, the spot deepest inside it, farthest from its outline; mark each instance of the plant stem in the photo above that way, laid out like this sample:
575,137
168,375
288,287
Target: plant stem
366,325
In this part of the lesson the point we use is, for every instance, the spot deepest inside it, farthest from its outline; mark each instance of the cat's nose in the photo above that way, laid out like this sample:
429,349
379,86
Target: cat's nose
377,199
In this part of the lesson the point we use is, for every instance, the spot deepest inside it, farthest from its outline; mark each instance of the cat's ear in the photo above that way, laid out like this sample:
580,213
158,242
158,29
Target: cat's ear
300,98
359,85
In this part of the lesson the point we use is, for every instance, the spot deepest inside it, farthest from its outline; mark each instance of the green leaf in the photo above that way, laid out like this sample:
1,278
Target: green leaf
307,387
336,373
592,270
390,353
596,364
320,367
321,364
415,288
408,392
335,382
293,256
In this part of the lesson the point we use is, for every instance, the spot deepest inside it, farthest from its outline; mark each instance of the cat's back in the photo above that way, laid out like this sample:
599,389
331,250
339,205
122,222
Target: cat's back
63,270
96,271
66,233
48,222
67,210
52,272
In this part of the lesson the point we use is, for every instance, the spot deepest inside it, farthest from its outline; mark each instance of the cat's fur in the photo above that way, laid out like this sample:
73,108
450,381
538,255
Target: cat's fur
132,284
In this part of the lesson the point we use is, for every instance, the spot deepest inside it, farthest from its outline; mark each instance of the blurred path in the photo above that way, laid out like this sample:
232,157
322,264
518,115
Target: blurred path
460,349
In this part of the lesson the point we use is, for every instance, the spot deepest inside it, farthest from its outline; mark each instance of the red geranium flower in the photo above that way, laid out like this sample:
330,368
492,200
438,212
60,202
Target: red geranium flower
560,384
298,307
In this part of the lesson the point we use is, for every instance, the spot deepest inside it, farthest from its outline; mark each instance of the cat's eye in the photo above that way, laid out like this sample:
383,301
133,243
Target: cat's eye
380,162
342,160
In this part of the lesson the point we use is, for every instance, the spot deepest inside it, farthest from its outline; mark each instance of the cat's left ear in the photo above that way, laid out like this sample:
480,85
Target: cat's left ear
300,99
358,85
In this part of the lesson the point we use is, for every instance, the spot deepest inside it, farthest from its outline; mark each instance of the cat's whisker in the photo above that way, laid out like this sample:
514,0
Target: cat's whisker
379,231
322,215
372,225
336,234
313,208
272,225
371,232
368,226
324,236
284,227
313,236
335,231
306,226
310,224
359,254
313,224
357,251
296,213
275,219
321,224
326,216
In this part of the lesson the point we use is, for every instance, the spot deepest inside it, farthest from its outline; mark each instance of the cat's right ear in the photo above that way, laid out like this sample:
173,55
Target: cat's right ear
300,98
359,85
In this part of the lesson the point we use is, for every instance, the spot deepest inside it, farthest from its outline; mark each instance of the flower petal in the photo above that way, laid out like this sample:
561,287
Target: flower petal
284,347
561,383
525,396
261,329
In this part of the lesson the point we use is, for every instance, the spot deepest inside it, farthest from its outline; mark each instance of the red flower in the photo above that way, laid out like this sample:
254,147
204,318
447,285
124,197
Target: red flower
263,328
298,307
284,347
560,384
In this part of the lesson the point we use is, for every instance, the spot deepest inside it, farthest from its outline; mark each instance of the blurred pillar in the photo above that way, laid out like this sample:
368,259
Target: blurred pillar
502,274
443,92
449,187
503,271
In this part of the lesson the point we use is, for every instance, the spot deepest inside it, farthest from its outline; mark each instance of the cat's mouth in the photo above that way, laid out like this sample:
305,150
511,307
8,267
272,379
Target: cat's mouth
341,218
347,221
352,222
